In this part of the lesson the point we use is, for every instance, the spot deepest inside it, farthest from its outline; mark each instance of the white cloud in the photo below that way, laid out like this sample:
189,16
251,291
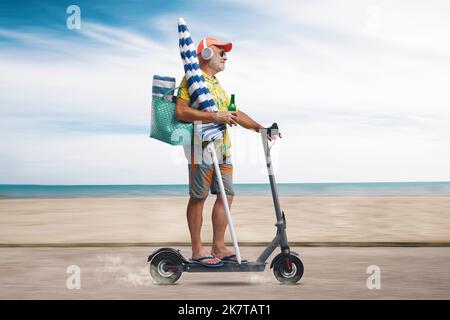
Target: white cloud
88,159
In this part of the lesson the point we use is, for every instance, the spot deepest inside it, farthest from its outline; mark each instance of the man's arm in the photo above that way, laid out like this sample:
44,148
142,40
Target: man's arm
245,121
184,112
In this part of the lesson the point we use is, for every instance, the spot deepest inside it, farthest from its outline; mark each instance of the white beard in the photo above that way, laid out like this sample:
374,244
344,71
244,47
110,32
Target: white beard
216,65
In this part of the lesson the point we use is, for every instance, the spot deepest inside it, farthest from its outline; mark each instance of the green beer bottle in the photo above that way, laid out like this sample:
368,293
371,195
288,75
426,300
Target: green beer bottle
232,106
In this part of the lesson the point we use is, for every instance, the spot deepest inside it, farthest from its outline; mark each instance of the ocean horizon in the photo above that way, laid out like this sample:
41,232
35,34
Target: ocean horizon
23,191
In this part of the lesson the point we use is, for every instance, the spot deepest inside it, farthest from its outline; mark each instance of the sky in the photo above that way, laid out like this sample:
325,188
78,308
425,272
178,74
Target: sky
359,89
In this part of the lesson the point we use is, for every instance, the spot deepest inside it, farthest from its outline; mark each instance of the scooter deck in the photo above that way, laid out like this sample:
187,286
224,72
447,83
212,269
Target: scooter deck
227,267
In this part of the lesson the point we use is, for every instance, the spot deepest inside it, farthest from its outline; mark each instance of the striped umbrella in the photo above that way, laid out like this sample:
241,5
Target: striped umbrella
200,97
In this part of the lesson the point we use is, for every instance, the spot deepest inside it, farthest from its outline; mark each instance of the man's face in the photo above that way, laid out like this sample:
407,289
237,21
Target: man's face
218,60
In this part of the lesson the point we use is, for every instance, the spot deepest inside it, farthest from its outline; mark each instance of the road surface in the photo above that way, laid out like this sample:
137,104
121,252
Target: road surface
122,273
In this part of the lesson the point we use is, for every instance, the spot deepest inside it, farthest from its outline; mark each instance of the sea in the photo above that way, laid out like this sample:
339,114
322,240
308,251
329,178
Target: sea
24,191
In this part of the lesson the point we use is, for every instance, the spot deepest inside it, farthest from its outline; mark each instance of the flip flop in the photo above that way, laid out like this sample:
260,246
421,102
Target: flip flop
232,259
200,261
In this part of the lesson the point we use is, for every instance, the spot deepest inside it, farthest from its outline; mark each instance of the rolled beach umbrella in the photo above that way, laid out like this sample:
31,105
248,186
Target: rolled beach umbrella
200,97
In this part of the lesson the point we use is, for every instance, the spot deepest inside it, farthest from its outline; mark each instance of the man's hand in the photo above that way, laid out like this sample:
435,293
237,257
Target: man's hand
230,118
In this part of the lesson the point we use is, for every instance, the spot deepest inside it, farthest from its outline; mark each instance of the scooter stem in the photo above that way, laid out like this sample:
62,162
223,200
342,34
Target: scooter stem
212,150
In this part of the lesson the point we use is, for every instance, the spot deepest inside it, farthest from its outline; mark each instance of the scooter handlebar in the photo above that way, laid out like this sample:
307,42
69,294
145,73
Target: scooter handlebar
273,131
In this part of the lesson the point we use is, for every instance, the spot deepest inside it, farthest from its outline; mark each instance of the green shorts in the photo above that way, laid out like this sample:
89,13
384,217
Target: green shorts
202,178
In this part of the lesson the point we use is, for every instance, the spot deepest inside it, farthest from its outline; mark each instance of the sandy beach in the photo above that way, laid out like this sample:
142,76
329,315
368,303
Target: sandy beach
374,219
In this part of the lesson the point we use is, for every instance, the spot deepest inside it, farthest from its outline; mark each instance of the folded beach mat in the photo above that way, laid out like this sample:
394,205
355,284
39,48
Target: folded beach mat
161,87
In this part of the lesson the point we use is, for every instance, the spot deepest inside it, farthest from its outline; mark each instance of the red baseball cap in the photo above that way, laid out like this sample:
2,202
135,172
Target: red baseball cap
216,42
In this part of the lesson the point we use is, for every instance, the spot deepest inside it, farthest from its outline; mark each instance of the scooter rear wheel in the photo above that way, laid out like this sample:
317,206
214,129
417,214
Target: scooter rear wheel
288,270
165,268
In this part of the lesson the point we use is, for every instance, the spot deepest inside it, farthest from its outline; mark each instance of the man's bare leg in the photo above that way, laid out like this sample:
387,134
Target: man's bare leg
195,220
220,222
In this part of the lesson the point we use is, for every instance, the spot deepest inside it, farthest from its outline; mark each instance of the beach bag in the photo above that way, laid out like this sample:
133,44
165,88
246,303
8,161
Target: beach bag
164,127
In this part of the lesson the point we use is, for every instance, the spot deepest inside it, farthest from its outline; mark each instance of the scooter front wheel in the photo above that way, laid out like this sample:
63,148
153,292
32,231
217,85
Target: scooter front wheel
288,270
165,268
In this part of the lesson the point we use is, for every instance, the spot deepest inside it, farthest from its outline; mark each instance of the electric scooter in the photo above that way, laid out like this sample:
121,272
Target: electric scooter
167,264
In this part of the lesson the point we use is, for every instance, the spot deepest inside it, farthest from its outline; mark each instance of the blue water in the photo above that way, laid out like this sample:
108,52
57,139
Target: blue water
284,189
